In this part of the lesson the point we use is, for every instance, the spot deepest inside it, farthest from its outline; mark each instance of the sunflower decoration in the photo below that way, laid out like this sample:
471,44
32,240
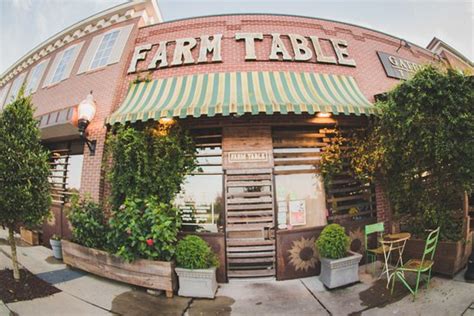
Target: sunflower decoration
357,240
303,254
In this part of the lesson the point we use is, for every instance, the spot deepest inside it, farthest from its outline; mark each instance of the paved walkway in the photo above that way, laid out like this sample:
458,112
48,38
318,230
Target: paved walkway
85,294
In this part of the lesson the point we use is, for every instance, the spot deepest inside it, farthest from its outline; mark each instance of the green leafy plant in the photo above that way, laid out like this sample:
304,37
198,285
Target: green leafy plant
332,160
421,148
55,237
89,226
353,211
24,170
144,228
193,252
152,162
333,243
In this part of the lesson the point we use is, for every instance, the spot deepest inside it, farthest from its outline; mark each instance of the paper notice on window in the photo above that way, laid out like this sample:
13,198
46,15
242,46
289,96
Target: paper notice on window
297,210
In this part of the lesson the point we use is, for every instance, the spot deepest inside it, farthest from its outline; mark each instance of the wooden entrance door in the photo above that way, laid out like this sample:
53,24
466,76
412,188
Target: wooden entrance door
250,223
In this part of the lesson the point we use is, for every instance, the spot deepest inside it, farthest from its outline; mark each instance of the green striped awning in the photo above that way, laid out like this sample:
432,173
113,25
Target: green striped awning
240,93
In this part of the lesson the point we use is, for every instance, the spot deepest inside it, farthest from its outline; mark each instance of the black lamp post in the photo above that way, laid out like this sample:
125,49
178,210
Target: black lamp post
86,112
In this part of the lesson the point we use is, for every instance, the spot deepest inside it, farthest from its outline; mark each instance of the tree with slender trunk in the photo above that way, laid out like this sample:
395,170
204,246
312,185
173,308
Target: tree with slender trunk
24,170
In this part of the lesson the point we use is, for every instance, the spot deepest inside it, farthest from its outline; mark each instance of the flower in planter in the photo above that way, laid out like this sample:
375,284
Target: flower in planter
150,242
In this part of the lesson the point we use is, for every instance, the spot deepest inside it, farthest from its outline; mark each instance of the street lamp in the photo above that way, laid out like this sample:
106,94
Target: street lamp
86,112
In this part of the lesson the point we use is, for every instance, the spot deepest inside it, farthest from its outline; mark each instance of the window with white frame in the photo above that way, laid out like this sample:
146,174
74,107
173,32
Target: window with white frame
35,77
16,85
105,49
60,72
3,94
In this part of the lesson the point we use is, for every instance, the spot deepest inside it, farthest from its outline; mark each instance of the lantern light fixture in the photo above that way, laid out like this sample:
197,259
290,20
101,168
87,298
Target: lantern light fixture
86,112
323,114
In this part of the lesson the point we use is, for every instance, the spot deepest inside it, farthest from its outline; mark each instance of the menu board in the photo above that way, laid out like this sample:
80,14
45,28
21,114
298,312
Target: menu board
297,210
282,218
195,214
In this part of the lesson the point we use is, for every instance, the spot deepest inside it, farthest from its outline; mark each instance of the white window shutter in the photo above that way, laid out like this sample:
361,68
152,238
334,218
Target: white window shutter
72,62
90,53
52,69
120,44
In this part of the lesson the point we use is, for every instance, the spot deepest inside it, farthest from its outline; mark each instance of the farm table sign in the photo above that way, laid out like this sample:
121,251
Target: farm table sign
303,48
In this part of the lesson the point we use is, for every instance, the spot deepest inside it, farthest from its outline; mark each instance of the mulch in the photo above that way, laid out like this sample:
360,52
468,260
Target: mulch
29,287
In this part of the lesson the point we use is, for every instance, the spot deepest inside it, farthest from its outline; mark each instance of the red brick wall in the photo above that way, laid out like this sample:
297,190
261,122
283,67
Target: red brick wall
384,211
105,82
362,47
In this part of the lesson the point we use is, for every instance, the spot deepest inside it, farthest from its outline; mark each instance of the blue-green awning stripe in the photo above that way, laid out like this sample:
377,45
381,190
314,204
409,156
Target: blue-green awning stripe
226,93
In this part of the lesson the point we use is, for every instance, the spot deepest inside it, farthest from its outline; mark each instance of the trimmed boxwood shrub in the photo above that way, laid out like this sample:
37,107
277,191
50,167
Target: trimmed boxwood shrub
333,243
193,252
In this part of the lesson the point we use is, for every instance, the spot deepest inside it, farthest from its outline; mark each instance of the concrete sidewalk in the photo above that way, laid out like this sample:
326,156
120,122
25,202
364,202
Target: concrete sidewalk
85,294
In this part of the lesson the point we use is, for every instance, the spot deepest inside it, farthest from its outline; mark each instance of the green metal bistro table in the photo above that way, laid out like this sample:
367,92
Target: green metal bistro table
392,245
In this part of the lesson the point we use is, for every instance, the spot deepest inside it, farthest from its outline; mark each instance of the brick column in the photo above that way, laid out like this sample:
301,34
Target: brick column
384,211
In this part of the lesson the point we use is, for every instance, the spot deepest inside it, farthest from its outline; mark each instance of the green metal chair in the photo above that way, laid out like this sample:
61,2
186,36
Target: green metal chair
372,254
419,266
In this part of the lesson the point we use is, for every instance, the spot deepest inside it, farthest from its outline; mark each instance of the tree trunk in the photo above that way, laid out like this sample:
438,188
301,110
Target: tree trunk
11,238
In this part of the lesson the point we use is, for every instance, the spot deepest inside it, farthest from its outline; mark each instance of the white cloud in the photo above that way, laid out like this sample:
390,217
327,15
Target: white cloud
24,5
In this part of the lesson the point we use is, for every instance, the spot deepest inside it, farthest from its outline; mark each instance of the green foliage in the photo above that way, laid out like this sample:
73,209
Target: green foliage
332,160
55,237
333,243
193,252
89,227
24,168
150,162
423,148
144,228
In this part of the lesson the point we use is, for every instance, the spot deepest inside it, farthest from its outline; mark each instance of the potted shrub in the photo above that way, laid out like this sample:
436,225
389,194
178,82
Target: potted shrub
55,242
196,268
339,265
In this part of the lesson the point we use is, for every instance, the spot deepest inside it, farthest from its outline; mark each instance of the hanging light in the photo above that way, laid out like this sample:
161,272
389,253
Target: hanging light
86,112
323,114
166,121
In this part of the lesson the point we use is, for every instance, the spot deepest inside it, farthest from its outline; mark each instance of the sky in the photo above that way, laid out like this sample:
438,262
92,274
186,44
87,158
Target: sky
26,23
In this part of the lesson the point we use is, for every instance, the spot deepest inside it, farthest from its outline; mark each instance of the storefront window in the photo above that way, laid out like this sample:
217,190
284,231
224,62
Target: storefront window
300,200
66,170
300,195
75,172
200,201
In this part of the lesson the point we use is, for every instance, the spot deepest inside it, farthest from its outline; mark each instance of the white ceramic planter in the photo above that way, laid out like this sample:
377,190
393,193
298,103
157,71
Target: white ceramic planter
197,283
339,272
57,249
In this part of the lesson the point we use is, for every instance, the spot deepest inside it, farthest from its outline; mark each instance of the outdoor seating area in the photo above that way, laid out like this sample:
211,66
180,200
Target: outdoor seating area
390,248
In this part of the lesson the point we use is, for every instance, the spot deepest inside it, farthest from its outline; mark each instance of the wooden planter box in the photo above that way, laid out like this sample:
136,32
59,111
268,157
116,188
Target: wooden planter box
450,257
29,236
157,275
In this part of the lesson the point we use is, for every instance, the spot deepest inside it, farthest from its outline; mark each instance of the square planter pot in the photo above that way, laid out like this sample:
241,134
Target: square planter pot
450,256
197,283
156,275
29,236
339,272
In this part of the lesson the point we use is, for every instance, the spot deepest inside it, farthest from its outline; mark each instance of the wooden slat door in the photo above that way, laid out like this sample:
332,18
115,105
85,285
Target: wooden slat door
250,223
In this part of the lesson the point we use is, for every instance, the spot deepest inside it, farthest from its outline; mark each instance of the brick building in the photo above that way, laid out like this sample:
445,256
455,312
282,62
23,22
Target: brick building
260,93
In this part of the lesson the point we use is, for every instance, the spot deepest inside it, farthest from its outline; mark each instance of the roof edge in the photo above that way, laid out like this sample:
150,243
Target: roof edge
297,16
108,13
